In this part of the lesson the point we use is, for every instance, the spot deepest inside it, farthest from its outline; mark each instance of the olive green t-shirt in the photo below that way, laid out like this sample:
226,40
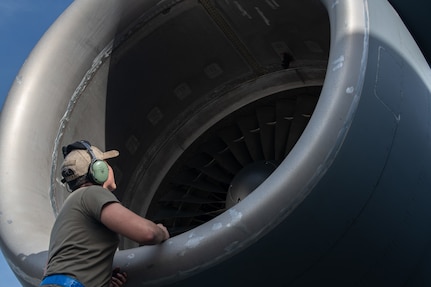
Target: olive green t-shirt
81,246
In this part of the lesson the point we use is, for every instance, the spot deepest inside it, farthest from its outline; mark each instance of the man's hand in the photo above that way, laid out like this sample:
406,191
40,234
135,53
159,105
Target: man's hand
118,278
166,234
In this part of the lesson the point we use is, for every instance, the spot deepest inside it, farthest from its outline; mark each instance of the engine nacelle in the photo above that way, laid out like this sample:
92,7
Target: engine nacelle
279,141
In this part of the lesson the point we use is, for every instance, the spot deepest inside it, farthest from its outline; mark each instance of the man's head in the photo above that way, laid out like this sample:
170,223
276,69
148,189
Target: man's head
84,163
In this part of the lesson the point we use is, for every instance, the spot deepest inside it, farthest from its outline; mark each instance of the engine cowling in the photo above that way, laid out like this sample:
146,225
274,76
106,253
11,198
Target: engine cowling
319,111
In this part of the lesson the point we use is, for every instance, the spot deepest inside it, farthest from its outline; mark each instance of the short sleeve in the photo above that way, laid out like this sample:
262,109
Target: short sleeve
94,198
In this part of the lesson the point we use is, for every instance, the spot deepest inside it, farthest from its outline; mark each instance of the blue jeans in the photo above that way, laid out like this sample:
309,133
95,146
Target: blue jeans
60,280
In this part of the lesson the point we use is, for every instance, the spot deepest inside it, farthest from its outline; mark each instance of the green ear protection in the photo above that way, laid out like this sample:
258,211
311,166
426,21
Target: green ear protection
98,170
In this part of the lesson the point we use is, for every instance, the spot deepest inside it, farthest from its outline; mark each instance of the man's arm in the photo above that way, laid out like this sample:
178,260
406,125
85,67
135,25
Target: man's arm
127,223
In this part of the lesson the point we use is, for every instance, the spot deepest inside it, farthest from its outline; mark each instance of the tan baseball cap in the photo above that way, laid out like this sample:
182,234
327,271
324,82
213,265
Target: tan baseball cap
77,161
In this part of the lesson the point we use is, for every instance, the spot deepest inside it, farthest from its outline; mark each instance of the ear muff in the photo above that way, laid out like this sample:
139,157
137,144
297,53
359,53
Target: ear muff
98,170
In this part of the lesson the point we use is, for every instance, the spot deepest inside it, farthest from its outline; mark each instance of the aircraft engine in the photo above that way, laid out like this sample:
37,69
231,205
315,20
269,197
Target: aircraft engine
283,143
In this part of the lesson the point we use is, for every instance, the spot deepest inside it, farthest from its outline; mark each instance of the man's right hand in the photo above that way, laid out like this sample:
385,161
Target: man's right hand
165,231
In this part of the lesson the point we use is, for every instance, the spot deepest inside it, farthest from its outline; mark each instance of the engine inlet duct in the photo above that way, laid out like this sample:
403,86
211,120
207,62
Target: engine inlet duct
282,143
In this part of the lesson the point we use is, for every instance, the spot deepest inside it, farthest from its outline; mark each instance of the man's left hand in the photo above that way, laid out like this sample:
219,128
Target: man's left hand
118,278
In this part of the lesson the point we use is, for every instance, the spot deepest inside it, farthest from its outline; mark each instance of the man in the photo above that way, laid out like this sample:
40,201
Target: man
84,237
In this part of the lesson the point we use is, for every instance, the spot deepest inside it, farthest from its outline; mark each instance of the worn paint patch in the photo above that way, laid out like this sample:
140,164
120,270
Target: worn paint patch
217,226
235,217
194,242
19,79
350,90
338,63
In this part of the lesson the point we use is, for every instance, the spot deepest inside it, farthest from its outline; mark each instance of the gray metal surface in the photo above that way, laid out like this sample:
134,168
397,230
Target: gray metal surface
342,83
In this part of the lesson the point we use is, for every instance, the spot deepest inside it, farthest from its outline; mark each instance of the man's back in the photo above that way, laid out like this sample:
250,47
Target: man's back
80,242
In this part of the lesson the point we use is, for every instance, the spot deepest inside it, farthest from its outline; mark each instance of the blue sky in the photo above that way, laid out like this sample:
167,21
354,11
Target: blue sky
22,24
